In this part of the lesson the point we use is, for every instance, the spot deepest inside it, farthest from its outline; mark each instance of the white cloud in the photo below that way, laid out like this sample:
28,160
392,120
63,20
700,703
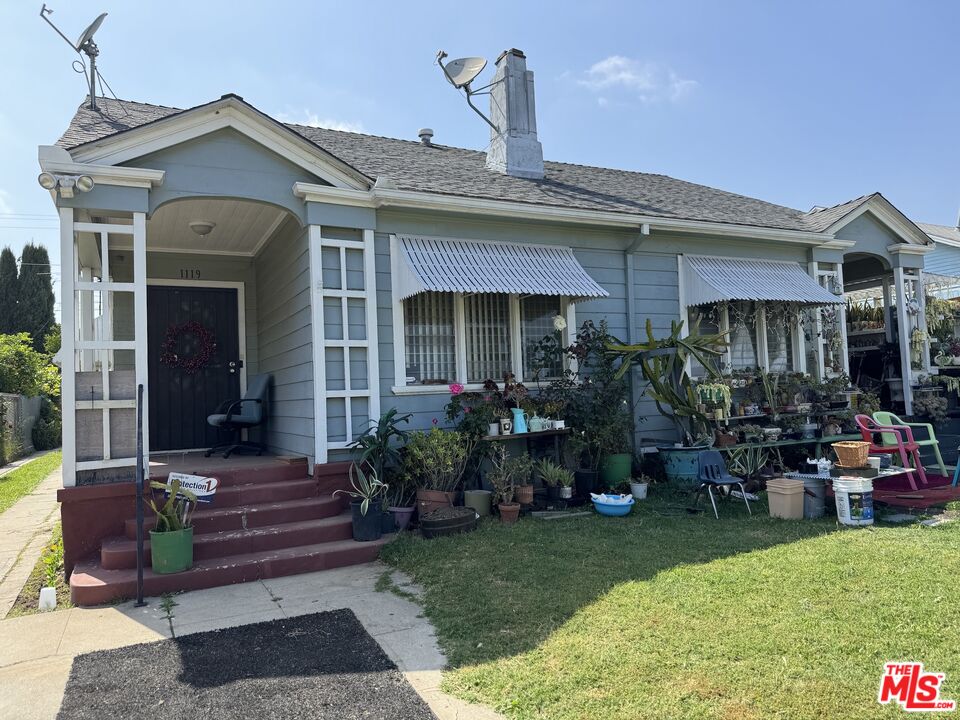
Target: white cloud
648,81
312,119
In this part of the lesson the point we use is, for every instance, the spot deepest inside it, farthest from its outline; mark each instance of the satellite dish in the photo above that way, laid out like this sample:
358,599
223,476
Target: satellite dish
463,71
87,34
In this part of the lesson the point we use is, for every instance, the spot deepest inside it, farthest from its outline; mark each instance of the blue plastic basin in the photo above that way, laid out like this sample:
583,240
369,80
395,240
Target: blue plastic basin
613,510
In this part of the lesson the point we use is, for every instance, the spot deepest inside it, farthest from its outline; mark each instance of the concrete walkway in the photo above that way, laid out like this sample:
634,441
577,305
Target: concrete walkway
24,529
36,651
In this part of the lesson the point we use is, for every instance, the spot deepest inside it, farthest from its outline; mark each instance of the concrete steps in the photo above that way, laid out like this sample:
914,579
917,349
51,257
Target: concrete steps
91,584
265,522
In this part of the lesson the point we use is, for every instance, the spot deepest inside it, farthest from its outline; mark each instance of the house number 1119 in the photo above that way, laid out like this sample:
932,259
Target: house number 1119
189,273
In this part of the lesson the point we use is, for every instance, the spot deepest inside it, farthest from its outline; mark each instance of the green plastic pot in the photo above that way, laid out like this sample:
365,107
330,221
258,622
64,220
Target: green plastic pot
171,552
616,468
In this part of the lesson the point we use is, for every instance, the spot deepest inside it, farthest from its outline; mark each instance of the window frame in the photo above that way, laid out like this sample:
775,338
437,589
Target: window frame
566,307
795,345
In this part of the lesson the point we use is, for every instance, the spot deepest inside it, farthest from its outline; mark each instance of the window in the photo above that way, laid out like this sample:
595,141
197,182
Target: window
536,322
752,340
451,337
487,329
428,321
700,321
743,323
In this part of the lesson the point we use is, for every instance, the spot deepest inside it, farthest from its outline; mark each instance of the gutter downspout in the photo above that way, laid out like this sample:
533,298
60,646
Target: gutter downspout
633,333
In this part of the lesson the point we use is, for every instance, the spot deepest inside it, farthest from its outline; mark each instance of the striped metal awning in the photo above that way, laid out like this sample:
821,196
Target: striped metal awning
471,266
709,280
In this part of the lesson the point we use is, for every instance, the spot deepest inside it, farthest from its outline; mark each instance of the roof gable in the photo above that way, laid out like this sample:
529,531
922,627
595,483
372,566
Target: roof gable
144,132
834,219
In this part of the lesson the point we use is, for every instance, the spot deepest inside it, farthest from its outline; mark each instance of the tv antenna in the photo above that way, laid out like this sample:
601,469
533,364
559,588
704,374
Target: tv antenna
463,71
84,46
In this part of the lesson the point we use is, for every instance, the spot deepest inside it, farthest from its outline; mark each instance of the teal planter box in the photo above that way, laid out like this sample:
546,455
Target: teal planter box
681,466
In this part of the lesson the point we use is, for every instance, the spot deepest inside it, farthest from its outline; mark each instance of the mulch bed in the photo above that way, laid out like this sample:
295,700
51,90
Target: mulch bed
314,666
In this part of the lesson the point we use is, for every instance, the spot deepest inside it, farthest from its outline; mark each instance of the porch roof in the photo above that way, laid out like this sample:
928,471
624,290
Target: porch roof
709,280
471,266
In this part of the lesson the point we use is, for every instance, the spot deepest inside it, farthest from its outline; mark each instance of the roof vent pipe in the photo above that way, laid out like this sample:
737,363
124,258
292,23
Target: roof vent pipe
426,136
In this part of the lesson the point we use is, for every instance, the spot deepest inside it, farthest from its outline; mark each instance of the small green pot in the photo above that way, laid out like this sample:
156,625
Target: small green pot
171,552
616,468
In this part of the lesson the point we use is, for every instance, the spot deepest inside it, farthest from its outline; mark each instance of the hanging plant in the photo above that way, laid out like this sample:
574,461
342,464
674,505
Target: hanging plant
195,362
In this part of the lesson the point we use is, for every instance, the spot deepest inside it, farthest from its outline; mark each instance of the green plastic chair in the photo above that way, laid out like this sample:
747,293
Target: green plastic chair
888,418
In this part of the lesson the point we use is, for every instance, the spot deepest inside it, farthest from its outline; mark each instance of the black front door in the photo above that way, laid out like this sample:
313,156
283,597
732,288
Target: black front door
194,341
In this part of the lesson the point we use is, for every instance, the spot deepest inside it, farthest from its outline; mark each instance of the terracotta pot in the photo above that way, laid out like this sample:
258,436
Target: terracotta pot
509,512
523,494
428,500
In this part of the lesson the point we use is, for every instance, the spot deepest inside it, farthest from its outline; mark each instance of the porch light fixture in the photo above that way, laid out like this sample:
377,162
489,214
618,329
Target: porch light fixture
65,185
202,227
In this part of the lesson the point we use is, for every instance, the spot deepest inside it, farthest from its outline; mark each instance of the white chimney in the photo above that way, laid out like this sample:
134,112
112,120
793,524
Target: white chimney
514,150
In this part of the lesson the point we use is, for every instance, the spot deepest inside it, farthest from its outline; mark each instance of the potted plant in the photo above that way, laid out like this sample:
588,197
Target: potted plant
401,501
448,521
503,474
379,448
171,539
559,480
663,365
438,459
366,491
638,487
522,468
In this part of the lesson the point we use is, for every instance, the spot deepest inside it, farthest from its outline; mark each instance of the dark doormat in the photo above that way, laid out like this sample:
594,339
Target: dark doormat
315,666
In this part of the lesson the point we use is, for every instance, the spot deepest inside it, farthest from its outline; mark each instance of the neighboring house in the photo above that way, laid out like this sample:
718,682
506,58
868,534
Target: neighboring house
365,273
945,258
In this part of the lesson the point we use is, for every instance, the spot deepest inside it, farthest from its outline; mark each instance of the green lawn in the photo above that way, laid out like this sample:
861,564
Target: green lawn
661,615
23,480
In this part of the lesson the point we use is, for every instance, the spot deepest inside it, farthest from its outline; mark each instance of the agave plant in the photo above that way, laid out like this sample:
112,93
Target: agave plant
174,513
663,364
366,487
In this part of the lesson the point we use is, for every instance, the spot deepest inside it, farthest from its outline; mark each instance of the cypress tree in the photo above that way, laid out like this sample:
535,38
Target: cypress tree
35,294
9,290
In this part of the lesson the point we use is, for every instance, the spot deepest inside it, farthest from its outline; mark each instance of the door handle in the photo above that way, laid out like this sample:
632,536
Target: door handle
234,365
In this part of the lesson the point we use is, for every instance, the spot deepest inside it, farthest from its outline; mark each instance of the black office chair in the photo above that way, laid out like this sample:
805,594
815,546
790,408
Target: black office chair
234,416
713,473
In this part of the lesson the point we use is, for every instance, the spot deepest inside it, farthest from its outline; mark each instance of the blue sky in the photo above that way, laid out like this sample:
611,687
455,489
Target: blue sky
799,103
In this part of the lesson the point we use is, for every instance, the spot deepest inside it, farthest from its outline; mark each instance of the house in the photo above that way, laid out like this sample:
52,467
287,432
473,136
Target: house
365,272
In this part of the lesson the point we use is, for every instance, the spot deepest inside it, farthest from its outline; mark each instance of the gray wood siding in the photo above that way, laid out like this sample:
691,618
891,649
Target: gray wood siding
285,344
944,260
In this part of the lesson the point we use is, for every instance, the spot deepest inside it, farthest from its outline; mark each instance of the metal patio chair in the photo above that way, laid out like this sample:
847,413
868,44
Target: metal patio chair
713,473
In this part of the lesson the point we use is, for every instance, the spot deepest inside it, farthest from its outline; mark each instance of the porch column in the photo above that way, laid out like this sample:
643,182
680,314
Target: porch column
68,359
921,295
845,350
903,325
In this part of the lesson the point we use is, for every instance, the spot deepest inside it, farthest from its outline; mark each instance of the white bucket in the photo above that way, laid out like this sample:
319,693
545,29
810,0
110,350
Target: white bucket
48,598
854,500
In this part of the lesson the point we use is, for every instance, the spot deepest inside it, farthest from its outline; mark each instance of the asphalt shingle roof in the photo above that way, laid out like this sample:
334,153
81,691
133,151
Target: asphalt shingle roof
455,171
941,231
820,219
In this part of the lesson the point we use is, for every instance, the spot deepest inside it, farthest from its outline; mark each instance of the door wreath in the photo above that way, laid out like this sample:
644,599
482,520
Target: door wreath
195,362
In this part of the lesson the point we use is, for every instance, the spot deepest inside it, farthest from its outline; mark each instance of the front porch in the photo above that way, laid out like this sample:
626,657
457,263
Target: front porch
270,518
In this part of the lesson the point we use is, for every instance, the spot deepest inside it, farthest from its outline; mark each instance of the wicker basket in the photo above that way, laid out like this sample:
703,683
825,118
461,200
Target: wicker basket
852,453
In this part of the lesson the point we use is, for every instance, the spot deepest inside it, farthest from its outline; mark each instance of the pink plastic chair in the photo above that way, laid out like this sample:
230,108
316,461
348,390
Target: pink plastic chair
903,436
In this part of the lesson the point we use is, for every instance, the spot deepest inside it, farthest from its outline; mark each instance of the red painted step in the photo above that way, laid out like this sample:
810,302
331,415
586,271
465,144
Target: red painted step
240,474
262,492
121,552
248,516
91,584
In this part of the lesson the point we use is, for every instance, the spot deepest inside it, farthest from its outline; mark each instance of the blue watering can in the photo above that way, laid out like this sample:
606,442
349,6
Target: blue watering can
519,420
